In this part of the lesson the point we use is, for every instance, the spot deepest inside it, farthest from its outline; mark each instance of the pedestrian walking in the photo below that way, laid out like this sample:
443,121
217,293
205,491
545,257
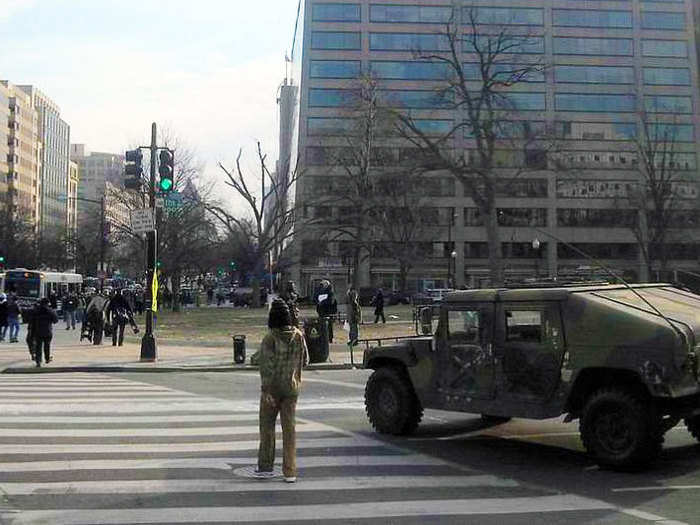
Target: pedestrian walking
70,305
354,316
281,357
53,300
3,316
119,313
378,303
291,296
43,319
13,313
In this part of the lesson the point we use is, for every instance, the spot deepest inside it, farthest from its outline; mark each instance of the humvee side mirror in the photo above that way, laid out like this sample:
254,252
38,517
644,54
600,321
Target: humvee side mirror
426,320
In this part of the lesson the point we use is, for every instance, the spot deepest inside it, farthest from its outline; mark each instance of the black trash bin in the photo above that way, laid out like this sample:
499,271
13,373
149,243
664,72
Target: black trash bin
239,349
316,335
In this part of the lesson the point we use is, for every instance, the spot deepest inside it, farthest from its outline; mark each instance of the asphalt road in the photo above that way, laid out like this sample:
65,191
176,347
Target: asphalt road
174,448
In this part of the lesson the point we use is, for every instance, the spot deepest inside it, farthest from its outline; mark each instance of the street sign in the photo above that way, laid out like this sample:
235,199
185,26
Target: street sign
142,221
172,201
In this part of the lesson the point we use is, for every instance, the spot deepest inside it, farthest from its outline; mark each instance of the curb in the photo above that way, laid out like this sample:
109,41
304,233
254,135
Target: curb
159,369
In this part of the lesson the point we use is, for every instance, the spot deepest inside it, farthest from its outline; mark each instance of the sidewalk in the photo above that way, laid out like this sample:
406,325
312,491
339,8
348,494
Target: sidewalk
85,357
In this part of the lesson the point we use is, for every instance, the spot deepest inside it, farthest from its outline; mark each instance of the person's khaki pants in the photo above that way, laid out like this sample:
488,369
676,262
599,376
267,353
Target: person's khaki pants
270,406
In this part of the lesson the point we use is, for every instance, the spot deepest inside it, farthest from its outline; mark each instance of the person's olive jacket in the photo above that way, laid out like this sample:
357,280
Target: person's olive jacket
282,355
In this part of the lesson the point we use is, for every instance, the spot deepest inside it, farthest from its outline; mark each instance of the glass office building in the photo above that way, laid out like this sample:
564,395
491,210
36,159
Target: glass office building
610,68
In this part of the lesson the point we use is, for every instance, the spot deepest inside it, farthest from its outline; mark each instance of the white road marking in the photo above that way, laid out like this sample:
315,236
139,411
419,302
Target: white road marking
334,383
234,485
657,488
214,463
191,446
80,419
647,516
131,431
326,511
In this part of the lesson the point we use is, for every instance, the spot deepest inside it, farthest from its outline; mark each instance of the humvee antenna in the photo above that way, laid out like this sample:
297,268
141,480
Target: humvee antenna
607,269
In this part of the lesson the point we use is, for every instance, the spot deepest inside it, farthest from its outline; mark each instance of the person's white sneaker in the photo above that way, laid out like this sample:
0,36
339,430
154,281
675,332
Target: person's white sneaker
290,479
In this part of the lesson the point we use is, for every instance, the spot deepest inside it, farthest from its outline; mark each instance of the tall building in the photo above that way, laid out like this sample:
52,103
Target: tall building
24,157
72,184
609,68
4,138
54,135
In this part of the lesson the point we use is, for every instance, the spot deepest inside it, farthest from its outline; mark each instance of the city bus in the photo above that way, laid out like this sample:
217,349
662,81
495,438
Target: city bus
31,285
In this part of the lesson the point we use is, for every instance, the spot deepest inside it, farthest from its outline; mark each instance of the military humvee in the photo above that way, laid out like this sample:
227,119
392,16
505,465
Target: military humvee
623,360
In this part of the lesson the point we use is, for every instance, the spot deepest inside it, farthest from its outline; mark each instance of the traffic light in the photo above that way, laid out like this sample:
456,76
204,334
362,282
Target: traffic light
133,169
232,264
166,171
2,262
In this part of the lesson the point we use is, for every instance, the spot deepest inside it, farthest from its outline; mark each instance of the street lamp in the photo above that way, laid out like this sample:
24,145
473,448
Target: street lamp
536,249
103,248
453,268
453,254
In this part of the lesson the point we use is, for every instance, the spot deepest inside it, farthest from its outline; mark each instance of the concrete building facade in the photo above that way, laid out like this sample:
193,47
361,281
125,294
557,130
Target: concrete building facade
24,155
610,68
54,136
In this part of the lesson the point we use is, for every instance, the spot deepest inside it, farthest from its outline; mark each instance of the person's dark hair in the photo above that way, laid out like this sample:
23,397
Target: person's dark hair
279,314
44,301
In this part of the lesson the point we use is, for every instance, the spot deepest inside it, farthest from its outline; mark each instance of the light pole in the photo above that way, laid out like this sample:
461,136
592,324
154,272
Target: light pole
452,255
453,266
536,249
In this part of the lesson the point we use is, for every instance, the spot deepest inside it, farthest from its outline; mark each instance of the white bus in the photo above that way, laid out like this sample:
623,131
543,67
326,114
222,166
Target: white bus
31,285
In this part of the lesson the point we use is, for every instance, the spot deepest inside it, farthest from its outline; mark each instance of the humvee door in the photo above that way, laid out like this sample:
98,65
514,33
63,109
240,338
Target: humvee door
466,351
529,350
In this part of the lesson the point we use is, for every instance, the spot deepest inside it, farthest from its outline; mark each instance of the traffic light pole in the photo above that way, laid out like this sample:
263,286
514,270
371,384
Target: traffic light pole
149,351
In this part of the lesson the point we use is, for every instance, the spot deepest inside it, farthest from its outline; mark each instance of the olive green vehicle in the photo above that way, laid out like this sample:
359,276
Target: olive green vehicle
621,359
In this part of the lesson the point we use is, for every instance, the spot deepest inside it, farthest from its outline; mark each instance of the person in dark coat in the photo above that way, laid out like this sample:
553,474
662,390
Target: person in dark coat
378,303
327,305
13,313
291,296
3,316
70,305
53,300
118,314
43,319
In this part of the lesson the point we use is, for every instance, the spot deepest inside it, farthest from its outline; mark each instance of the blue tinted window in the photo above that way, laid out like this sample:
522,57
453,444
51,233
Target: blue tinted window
504,72
334,69
591,18
336,13
664,48
331,97
408,42
409,13
524,101
575,130
670,133
594,74
335,40
594,103
434,127
416,99
411,70
666,76
593,46
667,104
503,16
330,126
658,20
511,129
504,45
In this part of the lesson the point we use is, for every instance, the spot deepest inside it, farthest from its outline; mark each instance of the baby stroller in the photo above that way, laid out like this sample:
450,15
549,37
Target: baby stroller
94,320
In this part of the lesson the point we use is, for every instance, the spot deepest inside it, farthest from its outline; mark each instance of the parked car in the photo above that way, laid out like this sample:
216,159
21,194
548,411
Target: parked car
431,295
399,298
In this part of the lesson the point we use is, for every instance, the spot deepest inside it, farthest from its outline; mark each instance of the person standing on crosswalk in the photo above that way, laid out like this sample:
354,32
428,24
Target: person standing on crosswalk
282,355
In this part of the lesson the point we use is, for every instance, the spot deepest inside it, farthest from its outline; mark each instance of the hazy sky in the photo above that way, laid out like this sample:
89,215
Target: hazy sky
207,69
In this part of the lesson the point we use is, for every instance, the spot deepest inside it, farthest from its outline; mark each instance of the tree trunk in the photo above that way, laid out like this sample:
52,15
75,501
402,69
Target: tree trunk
403,276
490,214
175,279
255,300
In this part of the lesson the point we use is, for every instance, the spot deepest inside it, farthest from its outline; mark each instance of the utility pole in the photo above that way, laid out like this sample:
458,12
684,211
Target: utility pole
148,342
102,242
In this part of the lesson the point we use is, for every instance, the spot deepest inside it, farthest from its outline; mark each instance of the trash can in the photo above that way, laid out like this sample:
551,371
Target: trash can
239,349
316,335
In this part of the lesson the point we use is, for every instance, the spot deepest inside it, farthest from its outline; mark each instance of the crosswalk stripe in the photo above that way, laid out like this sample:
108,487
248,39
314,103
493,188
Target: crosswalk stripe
6,390
190,446
80,419
271,513
42,397
232,485
127,431
214,463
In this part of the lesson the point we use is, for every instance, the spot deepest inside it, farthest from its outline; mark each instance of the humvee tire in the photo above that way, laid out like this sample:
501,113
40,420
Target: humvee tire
693,425
619,431
390,402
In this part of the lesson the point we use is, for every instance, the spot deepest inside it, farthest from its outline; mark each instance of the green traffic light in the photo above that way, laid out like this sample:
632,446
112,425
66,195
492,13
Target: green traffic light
166,184
2,258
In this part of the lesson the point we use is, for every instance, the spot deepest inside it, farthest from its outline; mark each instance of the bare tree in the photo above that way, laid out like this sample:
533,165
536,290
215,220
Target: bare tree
657,195
17,235
270,217
504,144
